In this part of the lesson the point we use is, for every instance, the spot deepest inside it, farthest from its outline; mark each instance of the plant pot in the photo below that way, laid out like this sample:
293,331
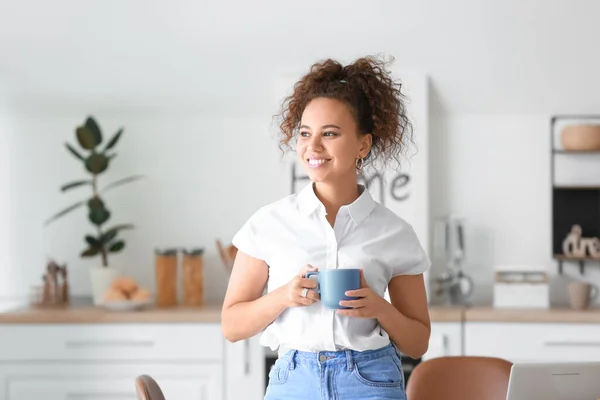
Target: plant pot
101,278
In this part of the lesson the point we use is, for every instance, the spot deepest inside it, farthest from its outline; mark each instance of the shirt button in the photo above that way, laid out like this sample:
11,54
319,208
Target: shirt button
322,358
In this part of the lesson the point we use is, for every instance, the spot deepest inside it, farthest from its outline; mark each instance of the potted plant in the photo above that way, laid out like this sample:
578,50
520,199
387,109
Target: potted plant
95,157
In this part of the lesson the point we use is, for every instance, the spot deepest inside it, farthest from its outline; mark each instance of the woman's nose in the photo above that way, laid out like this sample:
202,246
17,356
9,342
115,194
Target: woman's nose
315,143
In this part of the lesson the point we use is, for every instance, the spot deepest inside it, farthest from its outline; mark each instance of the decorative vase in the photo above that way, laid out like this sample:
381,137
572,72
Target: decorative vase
101,278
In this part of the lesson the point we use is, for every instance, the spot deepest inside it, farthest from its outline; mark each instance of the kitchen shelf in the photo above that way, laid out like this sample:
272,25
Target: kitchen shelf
580,260
577,187
572,202
575,152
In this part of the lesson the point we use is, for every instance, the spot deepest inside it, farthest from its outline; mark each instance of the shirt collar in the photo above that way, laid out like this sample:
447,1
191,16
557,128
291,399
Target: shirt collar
308,202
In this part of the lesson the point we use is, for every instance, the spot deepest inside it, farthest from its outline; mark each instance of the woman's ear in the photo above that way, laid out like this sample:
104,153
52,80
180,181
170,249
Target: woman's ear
365,145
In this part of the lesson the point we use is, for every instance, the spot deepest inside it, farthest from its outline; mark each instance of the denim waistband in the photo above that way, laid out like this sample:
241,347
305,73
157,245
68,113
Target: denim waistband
348,357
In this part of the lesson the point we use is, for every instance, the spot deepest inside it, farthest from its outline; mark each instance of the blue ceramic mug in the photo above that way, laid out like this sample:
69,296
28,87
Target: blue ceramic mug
332,285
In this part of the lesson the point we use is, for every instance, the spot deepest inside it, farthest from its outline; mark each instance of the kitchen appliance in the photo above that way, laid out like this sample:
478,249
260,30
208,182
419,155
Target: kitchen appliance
452,285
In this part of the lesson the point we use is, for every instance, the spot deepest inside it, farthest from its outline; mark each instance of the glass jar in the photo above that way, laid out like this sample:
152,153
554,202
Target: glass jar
165,269
193,277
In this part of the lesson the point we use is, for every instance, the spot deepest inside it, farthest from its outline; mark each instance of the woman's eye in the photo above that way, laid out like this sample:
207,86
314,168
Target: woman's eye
304,134
329,133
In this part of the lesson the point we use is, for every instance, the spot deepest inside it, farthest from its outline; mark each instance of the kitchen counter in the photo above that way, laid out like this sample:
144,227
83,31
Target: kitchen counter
76,314
446,313
211,313
79,314
559,315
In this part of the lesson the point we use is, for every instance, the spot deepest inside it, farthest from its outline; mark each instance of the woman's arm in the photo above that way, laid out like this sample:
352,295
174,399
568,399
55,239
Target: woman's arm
245,312
406,319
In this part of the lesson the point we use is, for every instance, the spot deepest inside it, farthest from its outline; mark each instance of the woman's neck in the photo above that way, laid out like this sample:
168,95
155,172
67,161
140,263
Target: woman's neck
335,195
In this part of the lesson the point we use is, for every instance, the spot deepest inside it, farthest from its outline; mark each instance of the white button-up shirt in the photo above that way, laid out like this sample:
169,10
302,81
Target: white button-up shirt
293,232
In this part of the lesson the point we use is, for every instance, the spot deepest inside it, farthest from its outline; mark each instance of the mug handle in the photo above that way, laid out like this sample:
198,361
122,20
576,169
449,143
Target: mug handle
316,273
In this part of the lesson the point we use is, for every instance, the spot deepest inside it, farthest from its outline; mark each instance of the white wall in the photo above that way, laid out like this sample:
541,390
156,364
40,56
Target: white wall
6,269
513,56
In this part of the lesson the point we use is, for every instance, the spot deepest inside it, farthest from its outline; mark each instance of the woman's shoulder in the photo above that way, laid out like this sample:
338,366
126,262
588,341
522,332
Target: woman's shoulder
383,216
409,258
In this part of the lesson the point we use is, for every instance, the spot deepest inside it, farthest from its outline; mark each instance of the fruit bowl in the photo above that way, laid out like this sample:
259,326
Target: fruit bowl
126,305
124,294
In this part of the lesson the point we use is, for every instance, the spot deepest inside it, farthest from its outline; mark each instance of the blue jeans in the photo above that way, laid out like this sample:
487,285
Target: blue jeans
337,375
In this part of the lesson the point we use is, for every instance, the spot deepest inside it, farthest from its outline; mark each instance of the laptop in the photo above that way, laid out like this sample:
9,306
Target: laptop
554,381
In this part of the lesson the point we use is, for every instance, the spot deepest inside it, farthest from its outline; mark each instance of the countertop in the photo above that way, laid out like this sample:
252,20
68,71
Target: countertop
446,313
211,313
551,315
91,314
178,314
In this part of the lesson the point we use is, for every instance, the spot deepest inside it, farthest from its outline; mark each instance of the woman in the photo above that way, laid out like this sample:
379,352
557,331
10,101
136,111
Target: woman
342,118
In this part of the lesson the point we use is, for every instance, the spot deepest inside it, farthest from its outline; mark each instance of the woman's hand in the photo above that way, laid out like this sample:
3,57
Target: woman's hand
294,290
369,305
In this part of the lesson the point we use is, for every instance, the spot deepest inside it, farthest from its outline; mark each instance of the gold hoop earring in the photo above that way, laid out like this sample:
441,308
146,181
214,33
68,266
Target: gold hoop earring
360,162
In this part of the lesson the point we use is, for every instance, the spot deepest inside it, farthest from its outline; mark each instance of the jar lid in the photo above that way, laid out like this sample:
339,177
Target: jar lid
170,251
196,251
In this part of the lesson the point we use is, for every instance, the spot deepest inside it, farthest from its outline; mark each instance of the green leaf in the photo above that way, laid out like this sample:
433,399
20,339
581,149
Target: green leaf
74,152
63,212
116,246
111,233
114,140
72,185
85,138
90,252
96,163
121,182
120,227
95,203
108,236
93,242
93,127
98,217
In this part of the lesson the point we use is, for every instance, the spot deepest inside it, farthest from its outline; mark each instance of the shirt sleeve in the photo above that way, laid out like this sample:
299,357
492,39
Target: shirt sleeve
412,258
248,237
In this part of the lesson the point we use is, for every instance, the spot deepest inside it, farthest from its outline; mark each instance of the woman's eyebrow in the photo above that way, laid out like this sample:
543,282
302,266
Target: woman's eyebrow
323,127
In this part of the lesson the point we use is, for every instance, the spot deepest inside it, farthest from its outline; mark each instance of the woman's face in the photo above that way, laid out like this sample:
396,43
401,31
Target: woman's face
329,141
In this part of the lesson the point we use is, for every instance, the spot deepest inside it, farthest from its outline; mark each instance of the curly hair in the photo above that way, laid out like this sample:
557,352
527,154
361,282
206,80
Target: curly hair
373,97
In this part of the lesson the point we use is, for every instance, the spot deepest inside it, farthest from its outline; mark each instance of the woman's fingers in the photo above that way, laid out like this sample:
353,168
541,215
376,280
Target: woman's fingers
313,295
306,269
307,283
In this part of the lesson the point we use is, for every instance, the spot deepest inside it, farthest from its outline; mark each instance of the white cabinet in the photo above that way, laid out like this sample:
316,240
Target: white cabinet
246,376
112,342
90,381
534,342
445,340
101,361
